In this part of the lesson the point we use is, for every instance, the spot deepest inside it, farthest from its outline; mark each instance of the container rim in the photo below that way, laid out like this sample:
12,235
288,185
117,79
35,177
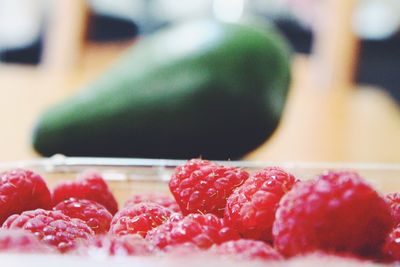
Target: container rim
62,163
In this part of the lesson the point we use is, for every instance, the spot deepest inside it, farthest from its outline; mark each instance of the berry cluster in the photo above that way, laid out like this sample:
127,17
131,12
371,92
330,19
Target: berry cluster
225,212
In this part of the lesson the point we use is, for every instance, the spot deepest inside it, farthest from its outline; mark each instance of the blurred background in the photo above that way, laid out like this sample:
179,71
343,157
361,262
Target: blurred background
344,97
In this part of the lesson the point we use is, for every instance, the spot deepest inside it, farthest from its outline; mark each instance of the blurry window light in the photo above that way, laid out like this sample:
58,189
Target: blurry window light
149,15
173,10
377,19
158,9
128,9
274,9
228,10
20,22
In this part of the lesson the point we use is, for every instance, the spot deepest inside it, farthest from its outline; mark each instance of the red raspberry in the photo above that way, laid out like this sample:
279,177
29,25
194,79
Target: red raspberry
391,248
139,219
95,215
245,249
163,200
127,245
201,186
22,190
21,241
251,208
338,213
201,230
89,185
393,200
52,227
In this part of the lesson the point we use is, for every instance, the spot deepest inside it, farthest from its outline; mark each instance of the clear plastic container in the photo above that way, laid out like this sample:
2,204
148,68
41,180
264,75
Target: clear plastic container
127,176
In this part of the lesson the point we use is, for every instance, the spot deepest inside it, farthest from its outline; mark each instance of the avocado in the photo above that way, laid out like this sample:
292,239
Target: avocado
204,88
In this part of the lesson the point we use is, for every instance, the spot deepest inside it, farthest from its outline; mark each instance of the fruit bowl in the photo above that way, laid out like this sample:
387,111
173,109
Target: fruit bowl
129,176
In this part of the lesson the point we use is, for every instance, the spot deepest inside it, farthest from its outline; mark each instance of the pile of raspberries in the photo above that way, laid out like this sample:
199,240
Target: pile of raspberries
224,212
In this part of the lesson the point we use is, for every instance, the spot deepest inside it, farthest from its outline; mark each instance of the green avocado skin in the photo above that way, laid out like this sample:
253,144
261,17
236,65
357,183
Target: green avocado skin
206,88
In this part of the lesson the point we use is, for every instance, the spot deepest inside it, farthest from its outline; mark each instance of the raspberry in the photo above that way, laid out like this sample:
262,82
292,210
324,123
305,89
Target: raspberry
244,249
337,213
22,190
52,227
201,186
89,185
391,248
127,245
251,208
198,229
21,241
393,201
163,200
95,215
139,219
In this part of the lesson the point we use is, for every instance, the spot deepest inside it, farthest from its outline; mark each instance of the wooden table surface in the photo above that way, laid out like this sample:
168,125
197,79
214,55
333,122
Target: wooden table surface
337,125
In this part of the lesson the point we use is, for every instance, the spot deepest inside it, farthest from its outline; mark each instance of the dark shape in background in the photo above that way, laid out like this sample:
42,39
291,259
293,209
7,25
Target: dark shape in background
379,64
109,29
25,55
299,38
